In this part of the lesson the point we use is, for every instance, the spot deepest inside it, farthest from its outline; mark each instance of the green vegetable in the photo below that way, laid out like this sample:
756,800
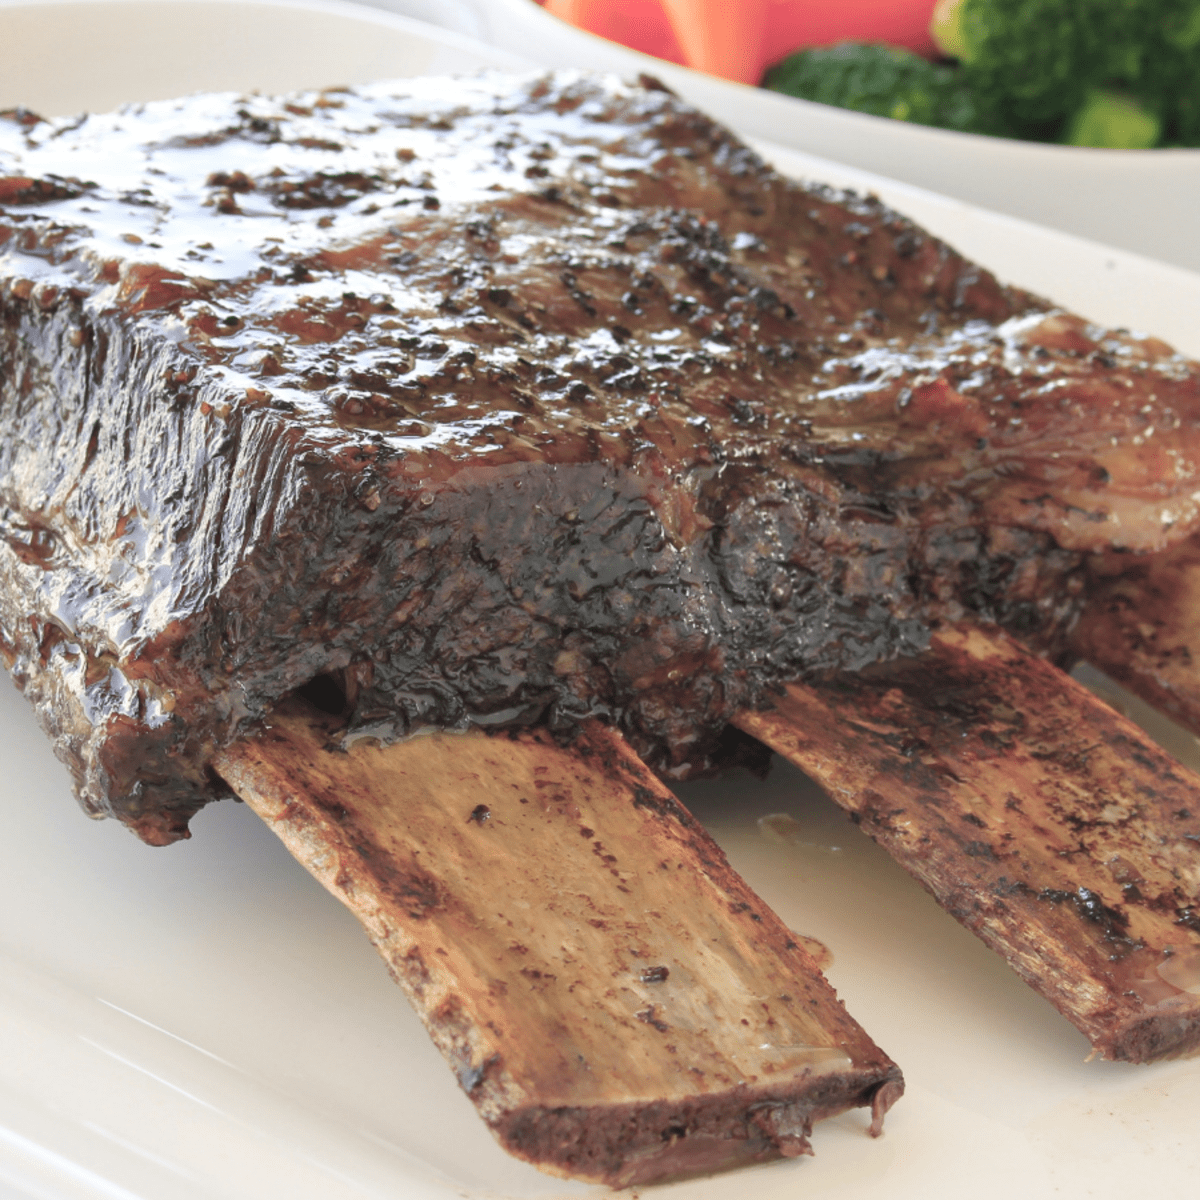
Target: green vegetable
946,28
881,80
1036,66
1113,121
1170,82
1088,72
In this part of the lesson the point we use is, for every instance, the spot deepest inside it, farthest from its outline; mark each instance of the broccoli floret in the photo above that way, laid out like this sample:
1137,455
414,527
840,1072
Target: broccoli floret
881,80
1113,121
1169,82
1041,65
1120,73
1033,62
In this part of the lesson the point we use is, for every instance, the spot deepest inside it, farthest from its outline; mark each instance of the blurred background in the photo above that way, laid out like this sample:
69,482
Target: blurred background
1080,115
1111,74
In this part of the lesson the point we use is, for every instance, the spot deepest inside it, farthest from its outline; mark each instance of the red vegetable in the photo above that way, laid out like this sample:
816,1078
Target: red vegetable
721,38
639,24
738,39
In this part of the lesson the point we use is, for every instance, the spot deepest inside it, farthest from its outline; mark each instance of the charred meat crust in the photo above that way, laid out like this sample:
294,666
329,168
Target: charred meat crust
508,401
675,1140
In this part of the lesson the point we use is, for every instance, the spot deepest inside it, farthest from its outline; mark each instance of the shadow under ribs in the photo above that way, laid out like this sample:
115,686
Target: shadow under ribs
1041,819
615,1000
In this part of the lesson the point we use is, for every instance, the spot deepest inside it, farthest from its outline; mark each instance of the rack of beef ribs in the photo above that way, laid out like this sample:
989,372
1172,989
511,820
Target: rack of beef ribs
540,411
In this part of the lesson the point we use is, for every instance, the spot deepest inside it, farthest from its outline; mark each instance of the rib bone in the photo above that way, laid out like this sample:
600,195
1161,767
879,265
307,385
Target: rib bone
1042,820
614,999
1143,628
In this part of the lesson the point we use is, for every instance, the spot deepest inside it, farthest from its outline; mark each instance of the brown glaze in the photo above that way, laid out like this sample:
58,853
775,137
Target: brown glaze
1041,819
613,998
513,400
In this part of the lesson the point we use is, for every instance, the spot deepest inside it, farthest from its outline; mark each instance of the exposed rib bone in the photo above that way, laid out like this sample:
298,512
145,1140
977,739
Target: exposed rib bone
1042,820
1143,628
614,999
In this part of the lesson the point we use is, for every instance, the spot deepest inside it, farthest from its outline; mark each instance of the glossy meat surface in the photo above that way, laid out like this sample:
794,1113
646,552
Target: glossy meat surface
512,400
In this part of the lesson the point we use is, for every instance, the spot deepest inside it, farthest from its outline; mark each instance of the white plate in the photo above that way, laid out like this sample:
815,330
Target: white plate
1147,202
203,1021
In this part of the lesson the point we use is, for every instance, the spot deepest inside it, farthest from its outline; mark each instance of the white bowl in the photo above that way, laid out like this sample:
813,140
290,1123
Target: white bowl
58,57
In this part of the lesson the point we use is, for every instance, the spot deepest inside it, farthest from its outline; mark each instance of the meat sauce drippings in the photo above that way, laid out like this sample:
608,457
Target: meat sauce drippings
516,400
